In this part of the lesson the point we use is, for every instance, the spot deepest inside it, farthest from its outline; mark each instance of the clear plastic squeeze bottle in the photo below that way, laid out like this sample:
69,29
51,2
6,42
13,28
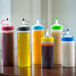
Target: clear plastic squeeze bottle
68,50
56,33
23,43
47,44
7,40
37,33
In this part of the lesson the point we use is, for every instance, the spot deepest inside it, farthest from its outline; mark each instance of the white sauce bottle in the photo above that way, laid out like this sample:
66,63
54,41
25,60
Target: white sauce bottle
68,50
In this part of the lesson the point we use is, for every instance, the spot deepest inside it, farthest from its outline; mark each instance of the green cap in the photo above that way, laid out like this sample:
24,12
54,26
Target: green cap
56,26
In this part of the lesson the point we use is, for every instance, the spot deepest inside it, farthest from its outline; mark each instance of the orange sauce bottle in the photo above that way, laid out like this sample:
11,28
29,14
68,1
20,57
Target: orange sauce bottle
38,32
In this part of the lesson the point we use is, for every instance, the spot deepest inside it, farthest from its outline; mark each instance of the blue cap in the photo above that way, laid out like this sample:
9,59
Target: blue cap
67,38
38,27
67,29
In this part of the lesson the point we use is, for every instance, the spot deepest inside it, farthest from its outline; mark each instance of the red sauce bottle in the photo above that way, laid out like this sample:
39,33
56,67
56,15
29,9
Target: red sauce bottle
7,41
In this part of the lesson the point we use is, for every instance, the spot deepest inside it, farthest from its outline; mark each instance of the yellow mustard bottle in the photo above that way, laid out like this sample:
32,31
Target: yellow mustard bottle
37,33
23,40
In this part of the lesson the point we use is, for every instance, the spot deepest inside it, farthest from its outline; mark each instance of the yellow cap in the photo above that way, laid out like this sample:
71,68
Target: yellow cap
47,39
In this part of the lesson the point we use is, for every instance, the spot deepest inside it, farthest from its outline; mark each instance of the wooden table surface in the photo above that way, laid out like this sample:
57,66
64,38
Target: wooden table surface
36,70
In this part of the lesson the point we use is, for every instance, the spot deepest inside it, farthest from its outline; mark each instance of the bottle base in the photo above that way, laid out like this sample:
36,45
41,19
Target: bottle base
48,67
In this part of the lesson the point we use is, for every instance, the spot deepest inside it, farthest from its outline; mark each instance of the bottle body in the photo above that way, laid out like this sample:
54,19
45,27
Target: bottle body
48,55
57,46
23,40
68,54
7,48
36,46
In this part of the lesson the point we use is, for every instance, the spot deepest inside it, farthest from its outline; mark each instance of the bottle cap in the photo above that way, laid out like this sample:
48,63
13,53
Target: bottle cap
47,39
24,26
6,26
56,26
67,37
38,26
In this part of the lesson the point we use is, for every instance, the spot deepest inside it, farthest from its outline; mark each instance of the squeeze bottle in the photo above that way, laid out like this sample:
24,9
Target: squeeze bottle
7,41
56,33
37,33
47,44
23,42
68,50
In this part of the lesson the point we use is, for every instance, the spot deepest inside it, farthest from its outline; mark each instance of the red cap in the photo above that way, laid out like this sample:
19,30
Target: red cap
7,28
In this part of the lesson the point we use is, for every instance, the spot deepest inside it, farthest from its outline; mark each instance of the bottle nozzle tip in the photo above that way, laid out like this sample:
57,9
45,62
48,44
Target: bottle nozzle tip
37,18
56,21
56,18
46,30
67,29
7,19
23,19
